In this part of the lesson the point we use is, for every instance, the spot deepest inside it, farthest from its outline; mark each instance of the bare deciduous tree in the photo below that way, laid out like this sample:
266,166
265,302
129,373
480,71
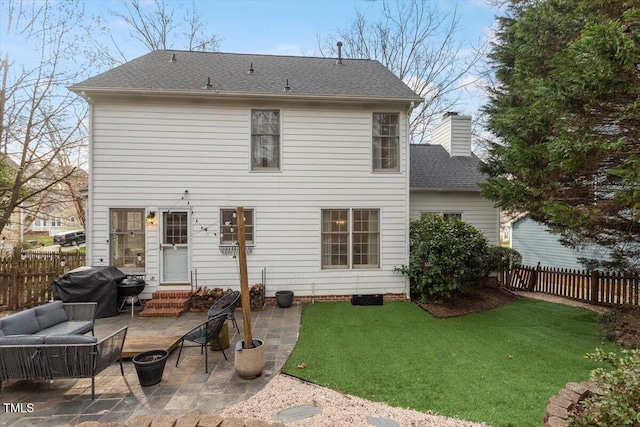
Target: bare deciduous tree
159,26
418,44
42,123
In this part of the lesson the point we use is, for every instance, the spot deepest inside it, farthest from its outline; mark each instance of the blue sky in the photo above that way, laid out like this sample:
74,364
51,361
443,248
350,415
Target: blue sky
289,27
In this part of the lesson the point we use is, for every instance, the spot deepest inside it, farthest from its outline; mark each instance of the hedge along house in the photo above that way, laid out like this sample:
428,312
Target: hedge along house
445,178
315,149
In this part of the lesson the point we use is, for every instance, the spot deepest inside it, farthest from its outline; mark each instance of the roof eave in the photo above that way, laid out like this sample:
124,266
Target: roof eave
90,91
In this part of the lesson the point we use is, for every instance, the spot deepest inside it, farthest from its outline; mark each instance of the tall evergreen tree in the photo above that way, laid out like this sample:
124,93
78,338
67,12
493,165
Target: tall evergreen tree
566,113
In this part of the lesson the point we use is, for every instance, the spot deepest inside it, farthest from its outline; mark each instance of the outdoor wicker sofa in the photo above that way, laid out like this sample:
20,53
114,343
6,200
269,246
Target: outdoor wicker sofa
46,343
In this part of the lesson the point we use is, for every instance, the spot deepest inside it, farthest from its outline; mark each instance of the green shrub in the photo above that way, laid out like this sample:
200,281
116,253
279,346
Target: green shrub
446,255
498,259
619,403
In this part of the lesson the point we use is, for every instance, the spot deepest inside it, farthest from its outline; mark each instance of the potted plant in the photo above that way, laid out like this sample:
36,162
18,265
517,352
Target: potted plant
284,299
249,356
150,366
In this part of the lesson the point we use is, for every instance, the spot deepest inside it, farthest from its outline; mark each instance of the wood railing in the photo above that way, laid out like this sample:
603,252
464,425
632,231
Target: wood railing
25,279
594,287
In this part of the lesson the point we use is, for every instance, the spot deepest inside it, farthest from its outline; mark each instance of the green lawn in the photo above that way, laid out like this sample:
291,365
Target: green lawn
500,366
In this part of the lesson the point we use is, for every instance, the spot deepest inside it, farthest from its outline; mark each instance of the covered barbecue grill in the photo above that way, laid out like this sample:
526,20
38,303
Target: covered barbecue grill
91,284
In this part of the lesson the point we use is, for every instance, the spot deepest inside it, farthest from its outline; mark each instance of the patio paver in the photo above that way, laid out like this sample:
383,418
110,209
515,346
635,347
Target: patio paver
185,390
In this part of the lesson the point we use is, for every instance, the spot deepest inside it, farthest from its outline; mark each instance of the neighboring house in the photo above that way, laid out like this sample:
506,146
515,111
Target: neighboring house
445,178
537,244
56,219
315,149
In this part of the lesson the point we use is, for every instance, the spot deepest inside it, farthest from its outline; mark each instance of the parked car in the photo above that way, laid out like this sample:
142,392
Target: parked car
69,238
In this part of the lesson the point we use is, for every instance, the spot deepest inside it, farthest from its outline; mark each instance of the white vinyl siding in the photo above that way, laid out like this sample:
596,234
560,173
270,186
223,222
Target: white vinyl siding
148,154
475,210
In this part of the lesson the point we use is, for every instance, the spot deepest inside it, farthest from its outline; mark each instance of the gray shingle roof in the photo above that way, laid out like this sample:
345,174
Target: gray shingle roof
433,169
229,73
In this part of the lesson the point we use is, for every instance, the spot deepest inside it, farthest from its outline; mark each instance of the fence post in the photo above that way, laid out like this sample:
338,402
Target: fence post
534,278
595,280
13,288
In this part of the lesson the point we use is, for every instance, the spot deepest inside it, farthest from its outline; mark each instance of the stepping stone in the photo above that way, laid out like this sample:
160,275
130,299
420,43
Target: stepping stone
382,422
298,413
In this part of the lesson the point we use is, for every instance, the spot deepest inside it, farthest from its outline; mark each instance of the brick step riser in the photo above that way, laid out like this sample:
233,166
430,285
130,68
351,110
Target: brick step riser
161,312
171,294
160,303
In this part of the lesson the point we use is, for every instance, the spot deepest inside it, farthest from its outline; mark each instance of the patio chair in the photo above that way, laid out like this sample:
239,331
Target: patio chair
203,334
227,304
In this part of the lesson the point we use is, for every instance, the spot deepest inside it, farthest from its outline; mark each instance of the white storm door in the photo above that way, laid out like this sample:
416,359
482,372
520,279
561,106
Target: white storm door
175,247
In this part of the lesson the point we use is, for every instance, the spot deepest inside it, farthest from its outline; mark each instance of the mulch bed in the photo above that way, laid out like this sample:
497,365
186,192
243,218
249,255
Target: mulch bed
622,325
473,300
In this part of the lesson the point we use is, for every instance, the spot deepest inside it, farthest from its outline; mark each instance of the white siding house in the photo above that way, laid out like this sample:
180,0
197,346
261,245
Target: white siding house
315,151
445,178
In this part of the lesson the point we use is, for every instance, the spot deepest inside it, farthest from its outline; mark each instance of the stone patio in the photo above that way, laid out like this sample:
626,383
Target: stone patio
185,390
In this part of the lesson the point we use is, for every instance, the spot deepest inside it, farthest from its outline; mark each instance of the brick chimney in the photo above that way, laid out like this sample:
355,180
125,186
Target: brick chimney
454,134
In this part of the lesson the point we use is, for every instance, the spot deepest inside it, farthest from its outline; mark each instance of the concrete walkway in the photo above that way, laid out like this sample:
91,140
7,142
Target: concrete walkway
185,393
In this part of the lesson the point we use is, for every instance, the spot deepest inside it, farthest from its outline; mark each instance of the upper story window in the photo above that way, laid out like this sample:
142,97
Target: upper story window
265,140
386,142
229,227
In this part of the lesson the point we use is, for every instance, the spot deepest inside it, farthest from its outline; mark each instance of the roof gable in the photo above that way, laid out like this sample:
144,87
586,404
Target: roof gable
229,73
433,169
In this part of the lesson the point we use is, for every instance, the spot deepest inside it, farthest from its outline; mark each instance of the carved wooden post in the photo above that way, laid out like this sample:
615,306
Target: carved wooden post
244,279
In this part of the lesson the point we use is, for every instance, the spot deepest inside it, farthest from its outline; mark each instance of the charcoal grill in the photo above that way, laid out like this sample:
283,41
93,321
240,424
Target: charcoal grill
129,289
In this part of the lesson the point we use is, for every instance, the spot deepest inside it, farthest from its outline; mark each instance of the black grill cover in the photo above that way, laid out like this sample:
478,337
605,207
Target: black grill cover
91,284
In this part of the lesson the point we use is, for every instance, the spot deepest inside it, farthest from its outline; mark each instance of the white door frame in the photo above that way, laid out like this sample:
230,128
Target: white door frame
179,247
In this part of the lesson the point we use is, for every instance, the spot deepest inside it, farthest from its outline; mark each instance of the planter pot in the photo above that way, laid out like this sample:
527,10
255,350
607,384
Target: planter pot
284,299
249,362
150,366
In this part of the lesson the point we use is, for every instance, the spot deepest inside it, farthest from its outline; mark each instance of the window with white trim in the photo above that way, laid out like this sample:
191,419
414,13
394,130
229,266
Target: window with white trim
386,142
445,215
229,227
350,238
265,140
127,239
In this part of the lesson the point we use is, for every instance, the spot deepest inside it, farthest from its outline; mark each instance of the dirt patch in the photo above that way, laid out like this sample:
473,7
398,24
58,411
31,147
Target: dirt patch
473,300
622,326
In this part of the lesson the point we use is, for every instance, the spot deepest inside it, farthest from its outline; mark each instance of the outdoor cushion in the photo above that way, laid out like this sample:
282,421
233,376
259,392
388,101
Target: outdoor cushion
21,340
21,323
69,339
50,314
69,327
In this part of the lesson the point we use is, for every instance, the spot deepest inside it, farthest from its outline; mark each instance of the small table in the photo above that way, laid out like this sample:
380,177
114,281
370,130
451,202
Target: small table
138,344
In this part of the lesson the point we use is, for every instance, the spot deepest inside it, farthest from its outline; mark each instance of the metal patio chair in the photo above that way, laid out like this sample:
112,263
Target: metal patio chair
227,304
203,334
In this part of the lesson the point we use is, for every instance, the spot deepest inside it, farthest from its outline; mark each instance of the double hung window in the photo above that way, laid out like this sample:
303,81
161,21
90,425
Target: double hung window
350,238
265,140
386,142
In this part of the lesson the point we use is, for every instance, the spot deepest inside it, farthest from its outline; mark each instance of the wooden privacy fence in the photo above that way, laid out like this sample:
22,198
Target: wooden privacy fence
594,287
25,279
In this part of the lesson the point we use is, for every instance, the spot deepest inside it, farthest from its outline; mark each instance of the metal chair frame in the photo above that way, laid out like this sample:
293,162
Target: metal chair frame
227,304
202,334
